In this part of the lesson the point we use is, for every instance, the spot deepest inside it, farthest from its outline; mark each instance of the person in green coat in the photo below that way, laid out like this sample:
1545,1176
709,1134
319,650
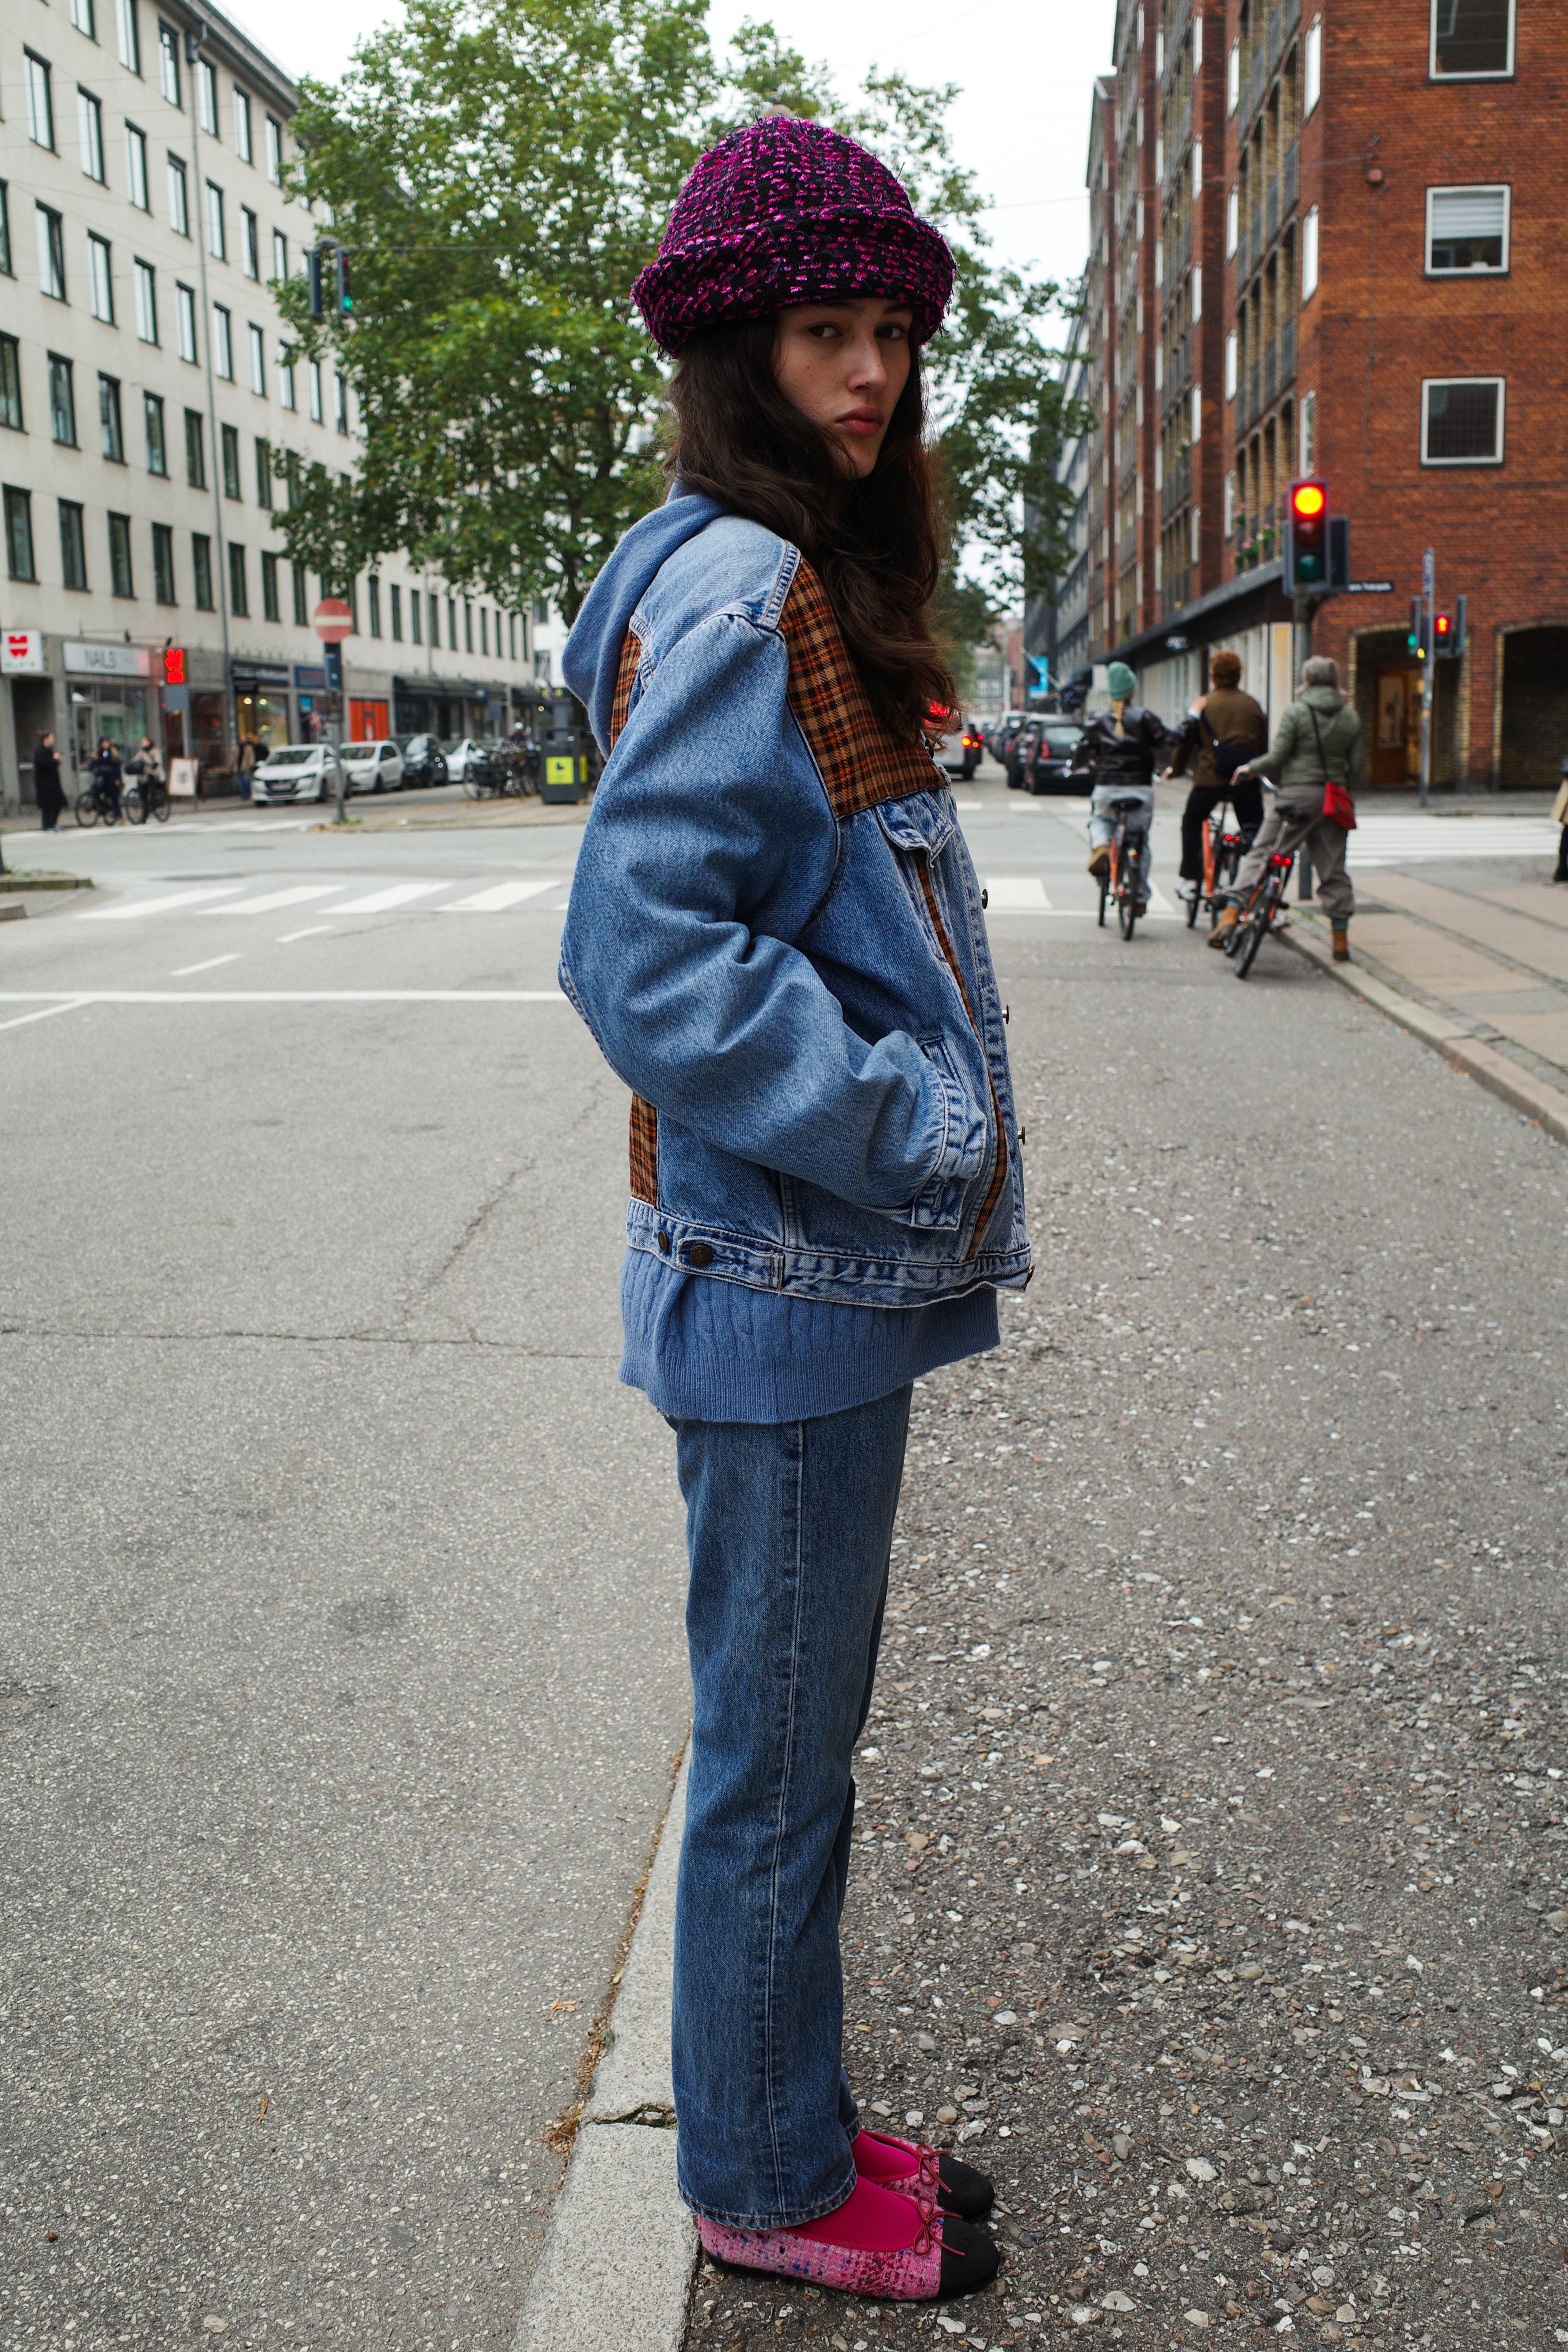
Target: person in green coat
1320,738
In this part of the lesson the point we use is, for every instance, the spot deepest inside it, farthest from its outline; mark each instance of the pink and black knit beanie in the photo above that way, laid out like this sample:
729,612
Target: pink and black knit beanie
783,212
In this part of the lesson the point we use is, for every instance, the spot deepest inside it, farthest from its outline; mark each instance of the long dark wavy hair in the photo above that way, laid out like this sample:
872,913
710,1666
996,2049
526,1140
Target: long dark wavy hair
874,543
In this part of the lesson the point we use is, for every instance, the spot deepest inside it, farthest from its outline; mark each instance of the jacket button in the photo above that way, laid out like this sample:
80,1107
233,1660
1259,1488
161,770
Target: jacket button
698,1254
985,897
664,1243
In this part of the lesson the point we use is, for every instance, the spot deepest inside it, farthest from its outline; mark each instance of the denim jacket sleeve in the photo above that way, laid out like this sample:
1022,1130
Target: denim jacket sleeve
709,845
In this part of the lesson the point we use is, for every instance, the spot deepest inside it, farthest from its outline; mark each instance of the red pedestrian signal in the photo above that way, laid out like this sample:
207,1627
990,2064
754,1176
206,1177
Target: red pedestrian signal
1443,629
173,666
1306,538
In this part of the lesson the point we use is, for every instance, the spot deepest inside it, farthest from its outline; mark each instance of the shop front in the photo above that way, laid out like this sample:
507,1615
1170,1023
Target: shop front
109,692
316,707
261,704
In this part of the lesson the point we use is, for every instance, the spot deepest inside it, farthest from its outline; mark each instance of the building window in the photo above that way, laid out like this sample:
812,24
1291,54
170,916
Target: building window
202,569
341,400
83,18
1309,255
275,150
179,198
242,126
89,122
130,33
249,242
1232,349
185,311
1467,230
7,267
1308,431
1472,40
229,441
136,168
169,63
302,598
314,377
396,615
484,630
1232,78
119,582
157,446
110,422
264,475
258,346
374,588
416,621
62,401
73,544
1228,511
1195,431
40,102
223,342
195,450
217,243
279,254
11,384
51,254
103,278
162,563
146,301
1198,161
451,624
467,626
1197,294
286,382
19,560
206,96
1461,421
238,595
270,608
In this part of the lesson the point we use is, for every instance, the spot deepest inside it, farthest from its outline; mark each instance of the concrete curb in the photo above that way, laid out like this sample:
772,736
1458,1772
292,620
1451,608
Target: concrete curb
1547,1105
616,2265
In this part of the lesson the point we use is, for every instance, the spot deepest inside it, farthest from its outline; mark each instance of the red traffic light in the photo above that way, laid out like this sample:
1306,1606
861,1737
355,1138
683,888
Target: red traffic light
1443,624
1308,500
173,666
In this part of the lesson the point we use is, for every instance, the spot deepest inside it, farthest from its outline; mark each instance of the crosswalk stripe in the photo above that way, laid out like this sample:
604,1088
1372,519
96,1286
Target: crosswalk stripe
398,894
136,906
1017,894
502,894
294,897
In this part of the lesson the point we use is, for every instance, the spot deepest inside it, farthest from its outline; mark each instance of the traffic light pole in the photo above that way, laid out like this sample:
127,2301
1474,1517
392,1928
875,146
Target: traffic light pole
1303,609
1428,666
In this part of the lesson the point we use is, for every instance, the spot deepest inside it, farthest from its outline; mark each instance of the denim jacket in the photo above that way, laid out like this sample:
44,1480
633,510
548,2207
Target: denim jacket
775,937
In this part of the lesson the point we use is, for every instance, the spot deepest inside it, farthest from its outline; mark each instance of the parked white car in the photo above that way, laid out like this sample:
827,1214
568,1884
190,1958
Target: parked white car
293,772
372,767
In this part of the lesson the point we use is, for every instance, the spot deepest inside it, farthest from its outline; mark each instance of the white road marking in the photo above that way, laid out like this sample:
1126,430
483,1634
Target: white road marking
264,824
22,1019
397,893
1160,904
137,907
1017,894
293,896
212,963
316,931
502,894
288,996
966,808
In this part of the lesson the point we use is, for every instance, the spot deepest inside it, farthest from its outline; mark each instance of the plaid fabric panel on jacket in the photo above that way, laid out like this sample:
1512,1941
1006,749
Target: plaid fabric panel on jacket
861,763
625,679
644,1118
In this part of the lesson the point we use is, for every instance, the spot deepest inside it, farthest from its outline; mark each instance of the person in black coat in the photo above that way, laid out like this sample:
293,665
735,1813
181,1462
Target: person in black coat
1119,750
48,789
106,775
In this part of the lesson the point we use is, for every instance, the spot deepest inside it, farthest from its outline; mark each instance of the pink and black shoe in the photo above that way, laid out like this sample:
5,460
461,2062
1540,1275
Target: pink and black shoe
914,2170
881,2243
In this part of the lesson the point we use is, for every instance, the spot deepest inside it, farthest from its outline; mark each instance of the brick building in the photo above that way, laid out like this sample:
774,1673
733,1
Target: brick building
1337,219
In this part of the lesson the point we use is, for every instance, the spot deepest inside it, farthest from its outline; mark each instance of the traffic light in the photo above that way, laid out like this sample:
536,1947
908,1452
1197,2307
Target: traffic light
173,666
1448,631
345,289
1413,640
1306,538
1339,552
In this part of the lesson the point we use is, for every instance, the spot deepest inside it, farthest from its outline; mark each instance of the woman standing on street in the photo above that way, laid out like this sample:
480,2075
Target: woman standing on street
48,790
1320,741
776,936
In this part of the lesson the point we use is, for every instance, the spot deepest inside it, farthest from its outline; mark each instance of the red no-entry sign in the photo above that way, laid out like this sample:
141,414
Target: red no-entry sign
332,620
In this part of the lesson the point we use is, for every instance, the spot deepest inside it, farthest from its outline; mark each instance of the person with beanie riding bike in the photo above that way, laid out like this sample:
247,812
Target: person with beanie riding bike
775,937
1120,748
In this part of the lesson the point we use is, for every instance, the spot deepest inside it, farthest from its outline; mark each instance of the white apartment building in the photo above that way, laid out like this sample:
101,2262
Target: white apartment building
150,403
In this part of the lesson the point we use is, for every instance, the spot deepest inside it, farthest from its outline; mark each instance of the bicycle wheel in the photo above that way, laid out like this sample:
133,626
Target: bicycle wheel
1104,894
1193,903
87,809
1130,885
135,806
161,808
1256,926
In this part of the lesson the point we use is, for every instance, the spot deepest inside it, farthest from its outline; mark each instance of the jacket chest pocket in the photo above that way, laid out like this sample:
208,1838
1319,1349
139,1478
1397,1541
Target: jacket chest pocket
921,826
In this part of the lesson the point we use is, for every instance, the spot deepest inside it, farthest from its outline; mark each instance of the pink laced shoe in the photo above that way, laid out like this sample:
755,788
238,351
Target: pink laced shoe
873,2245
912,2169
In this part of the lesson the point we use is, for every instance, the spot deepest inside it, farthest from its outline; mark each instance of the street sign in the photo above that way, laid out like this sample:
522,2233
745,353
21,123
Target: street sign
332,620
1369,588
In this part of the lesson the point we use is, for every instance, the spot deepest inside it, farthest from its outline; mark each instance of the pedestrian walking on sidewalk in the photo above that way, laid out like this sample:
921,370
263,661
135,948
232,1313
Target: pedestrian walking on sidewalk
775,937
48,789
1223,728
1320,741
1559,817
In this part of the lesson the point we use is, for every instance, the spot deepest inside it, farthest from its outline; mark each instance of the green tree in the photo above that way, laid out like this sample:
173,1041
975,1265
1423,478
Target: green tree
500,175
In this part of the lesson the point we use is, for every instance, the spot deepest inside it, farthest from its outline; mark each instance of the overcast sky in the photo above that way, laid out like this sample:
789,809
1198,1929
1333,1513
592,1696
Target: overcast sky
1025,71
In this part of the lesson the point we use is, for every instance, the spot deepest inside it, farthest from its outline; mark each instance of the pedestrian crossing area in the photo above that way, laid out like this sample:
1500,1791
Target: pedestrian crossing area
332,900
1423,840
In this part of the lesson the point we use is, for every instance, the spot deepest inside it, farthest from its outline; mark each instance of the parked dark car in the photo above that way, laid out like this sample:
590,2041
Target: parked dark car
1050,757
1002,735
423,764
1018,750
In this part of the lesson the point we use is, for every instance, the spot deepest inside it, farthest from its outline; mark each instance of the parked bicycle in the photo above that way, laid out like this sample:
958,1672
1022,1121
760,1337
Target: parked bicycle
1225,846
147,797
1126,878
97,803
501,771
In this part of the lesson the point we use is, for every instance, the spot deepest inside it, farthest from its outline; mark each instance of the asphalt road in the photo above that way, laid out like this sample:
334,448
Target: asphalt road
341,1670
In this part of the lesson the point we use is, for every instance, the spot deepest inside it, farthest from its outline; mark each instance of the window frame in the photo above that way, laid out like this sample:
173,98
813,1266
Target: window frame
73,545
1306,433
244,130
238,583
250,244
11,413
274,137
164,564
138,186
7,257
180,206
1491,73
51,230
206,96
128,35
1503,188
1312,242
280,256
271,604
90,122
84,18
1312,67
228,461
201,571
195,451
300,589
100,275
1430,384
169,64
1232,363
185,313
121,561
39,75
111,419
221,329
256,348
61,376
146,281
217,223
155,433
263,454
17,504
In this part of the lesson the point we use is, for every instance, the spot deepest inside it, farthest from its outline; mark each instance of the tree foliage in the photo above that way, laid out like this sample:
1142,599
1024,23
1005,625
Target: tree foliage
500,172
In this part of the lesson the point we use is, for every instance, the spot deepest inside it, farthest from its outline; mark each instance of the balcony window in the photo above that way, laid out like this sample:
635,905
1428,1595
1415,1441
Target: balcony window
136,168
119,579
1472,40
103,278
1466,231
1462,421
1309,255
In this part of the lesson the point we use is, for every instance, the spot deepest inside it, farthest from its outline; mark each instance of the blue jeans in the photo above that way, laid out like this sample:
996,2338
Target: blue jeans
789,1530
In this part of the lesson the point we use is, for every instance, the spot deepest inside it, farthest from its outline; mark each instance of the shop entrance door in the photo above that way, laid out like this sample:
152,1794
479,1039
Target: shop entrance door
1397,737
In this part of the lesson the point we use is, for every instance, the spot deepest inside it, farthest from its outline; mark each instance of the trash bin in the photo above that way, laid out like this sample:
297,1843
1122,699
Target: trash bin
564,757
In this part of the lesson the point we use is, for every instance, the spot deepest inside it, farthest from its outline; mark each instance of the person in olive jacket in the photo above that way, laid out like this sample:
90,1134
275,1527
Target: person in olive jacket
1224,716
48,790
1121,748
1320,738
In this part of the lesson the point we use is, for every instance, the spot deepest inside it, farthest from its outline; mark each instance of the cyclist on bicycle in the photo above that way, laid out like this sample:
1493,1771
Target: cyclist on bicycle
1223,729
106,773
1320,738
1121,748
